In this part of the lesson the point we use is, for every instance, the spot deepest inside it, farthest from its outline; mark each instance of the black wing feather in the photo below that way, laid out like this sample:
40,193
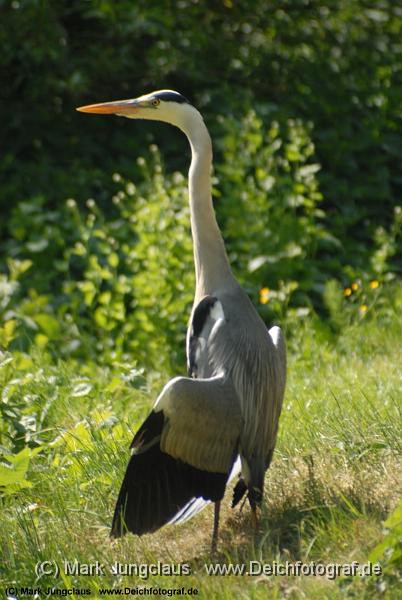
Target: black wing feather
239,491
156,486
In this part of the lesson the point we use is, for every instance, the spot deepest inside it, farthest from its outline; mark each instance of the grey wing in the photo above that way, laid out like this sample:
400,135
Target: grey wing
278,341
226,335
205,316
185,449
258,371
277,389
255,360
202,422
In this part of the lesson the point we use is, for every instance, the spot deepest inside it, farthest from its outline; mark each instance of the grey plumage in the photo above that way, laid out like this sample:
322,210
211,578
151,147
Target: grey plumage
254,360
222,418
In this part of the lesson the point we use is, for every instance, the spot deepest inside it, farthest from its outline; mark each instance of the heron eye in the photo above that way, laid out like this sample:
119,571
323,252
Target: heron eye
155,102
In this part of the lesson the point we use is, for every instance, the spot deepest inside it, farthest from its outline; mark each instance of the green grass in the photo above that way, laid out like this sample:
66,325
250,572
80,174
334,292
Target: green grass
333,481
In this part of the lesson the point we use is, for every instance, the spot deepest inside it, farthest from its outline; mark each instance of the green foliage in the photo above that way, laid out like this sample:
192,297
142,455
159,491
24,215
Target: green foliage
106,288
270,208
388,554
26,402
335,65
135,272
304,109
14,470
118,285
164,278
389,550
362,299
387,242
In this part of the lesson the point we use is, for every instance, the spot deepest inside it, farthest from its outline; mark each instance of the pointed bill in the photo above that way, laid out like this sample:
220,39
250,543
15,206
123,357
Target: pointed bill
111,108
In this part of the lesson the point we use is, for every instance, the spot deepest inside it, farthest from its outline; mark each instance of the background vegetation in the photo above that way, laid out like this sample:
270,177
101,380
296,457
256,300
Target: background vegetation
303,100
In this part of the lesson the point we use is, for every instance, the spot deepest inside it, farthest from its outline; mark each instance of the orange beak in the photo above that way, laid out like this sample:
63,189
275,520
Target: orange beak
120,107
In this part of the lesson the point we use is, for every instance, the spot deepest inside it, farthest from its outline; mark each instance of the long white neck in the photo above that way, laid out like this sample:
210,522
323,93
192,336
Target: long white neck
212,268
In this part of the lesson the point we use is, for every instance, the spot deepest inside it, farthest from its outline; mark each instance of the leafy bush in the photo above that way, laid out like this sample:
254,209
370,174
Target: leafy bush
117,286
13,472
135,272
306,159
103,288
270,208
336,65
389,550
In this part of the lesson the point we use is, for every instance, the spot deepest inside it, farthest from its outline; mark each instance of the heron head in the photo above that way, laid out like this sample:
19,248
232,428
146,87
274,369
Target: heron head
163,105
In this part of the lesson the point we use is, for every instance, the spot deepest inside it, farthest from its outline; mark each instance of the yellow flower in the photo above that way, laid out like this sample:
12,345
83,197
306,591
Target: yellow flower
264,295
374,284
363,309
347,292
355,286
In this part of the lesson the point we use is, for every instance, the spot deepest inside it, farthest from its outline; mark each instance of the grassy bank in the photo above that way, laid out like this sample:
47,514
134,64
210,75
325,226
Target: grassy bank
332,484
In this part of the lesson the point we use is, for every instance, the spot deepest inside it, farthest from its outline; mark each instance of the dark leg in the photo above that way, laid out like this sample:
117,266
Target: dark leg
255,499
216,527
242,504
255,518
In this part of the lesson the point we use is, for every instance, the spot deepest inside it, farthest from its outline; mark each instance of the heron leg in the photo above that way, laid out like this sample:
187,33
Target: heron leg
242,504
255,517
255,499
214,544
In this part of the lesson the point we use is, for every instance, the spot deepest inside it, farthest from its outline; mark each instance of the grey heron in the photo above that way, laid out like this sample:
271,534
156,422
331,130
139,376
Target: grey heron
226,412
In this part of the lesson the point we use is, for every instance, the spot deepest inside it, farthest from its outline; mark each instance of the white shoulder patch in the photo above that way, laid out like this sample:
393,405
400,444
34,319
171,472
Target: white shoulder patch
216,312
275,333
